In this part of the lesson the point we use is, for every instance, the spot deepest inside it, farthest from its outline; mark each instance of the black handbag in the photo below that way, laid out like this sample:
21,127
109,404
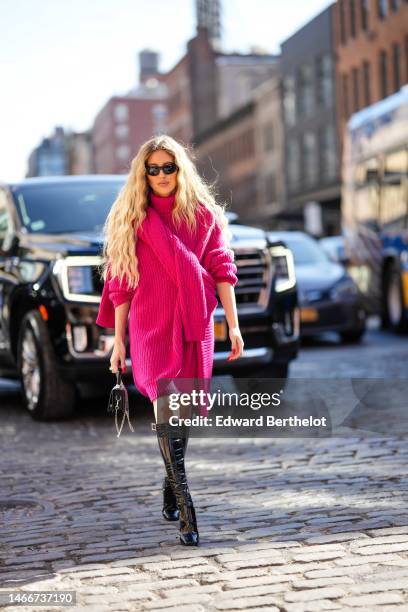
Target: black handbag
119,402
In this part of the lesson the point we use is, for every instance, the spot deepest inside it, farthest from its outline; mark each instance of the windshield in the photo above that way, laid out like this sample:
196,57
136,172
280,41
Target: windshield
65,207
306,251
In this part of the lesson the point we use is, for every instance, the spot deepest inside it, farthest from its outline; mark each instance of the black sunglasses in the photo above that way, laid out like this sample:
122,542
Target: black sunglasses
168,168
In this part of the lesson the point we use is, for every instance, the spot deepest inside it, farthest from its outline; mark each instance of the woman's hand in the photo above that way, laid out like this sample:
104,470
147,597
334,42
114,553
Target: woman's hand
237,343
118,357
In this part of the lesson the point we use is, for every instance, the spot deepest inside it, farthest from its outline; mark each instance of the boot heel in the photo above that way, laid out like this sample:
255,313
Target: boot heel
188,523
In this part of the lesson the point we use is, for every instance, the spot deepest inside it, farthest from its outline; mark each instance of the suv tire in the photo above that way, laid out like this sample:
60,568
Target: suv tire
46,395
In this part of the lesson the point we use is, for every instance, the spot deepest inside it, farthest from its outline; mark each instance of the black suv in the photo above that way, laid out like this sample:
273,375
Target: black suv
50,289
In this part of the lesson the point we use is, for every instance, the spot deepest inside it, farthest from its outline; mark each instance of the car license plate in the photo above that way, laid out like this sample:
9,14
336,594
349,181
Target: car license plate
220,330
308,315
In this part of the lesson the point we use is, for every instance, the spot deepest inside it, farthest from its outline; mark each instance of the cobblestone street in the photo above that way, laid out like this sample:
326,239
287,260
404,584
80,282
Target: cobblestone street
285,524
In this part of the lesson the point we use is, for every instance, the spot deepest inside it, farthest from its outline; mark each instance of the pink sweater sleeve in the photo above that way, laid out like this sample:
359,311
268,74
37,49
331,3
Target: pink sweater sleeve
119,293
218,259
114,294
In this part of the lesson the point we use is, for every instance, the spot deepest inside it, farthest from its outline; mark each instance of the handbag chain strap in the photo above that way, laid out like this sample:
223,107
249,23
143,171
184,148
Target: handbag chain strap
125,409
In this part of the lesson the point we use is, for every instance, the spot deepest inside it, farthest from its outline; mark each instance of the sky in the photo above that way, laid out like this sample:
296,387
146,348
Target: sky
61,60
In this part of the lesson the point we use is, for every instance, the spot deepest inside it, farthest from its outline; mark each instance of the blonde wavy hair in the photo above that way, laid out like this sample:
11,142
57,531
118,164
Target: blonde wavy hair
129,209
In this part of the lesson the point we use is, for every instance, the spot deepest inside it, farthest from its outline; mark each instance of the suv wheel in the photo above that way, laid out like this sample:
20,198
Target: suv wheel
353,336
46,395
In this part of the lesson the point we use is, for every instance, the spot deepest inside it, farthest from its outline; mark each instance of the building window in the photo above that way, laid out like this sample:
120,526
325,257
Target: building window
268,137
310,156
329,154
243,85
356,93
383,74
293,163
324,80
121,112
345,91
244,191
396,60
305,90
364,14
249,143
270,188
352,8
342,22
289,100
122,131
382,8
159,117
123,152
366,83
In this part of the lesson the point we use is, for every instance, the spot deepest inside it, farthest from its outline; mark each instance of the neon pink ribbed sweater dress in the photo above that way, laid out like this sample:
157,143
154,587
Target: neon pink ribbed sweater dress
171,326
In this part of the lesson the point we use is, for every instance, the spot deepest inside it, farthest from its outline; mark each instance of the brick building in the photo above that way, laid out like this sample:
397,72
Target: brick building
212,107
243,153
126,121
371,38
179,104
312,166
122,125
226,154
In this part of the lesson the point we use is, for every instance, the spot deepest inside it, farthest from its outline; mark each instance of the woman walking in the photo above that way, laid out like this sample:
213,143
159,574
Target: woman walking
166,253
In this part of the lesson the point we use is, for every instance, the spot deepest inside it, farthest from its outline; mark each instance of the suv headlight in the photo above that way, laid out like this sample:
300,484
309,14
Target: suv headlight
284,268
344,288
76,278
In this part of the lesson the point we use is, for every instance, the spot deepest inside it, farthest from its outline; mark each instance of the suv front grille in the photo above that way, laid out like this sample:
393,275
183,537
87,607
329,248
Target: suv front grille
254,272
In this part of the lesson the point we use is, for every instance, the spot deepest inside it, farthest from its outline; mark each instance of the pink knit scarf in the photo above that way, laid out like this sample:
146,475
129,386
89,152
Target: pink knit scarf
196,287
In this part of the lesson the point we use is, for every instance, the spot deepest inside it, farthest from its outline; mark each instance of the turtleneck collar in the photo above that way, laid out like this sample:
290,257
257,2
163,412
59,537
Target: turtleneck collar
162,203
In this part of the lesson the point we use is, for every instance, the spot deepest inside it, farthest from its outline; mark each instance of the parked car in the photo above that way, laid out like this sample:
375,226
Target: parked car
328,297
334,247
50,290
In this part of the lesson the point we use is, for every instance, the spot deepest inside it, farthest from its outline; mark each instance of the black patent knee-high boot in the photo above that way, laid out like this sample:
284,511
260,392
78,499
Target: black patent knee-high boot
170,511
172,451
